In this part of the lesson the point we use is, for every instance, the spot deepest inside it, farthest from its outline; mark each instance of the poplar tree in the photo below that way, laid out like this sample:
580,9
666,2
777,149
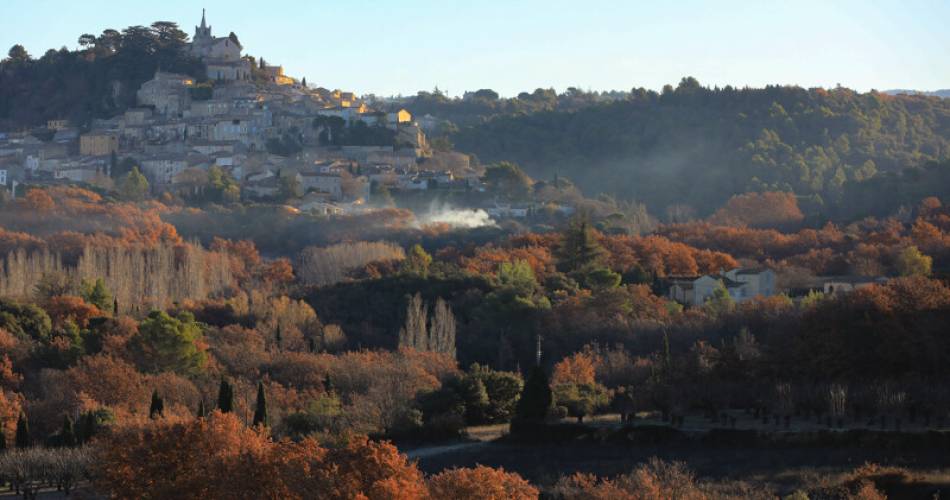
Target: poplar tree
260,413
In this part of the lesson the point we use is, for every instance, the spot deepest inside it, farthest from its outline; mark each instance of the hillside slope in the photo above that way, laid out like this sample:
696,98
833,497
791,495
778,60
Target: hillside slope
697,146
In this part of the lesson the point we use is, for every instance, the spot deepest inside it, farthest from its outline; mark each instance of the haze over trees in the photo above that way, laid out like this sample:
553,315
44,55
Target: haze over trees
698,146
204,346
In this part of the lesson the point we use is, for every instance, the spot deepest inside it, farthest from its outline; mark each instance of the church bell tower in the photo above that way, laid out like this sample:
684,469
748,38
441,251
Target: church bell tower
202,32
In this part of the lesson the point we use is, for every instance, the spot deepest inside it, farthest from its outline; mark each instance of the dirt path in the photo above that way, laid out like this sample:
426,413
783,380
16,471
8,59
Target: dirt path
431,451
480,436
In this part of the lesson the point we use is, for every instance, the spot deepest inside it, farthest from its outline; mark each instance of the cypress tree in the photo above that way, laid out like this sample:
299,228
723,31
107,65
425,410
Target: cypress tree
311,344
536,398
115,307
113,163
225,397
3,440
67,434
157,407
86,427
202,412
260,413
23,439
277,337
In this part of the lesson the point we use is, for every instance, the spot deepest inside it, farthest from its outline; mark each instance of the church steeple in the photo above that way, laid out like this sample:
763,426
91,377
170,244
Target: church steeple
202,32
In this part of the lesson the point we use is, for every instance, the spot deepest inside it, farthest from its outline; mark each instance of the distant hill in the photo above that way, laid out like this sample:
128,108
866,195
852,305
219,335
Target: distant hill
944,93
697,146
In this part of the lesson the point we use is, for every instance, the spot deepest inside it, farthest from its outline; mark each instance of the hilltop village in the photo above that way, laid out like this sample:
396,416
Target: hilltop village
272,136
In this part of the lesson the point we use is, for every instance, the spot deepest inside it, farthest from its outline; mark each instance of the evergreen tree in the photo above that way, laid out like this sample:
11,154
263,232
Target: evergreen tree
157,407
260,413
23,439
96,293
3,441
86,427
579,248
67,435
134,186
225,397
165,343
277,337
536,398
202,412
311,344
115,307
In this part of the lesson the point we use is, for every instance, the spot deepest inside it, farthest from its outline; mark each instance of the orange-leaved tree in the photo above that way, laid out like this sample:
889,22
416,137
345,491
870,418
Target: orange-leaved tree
480,483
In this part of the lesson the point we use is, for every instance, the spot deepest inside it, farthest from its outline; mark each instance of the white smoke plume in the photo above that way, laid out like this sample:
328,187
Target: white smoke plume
455,217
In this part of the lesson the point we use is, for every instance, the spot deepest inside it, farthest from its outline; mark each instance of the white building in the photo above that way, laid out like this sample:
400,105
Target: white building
741,284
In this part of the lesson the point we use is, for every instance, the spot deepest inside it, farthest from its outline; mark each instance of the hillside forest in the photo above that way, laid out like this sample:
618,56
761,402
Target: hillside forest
131,331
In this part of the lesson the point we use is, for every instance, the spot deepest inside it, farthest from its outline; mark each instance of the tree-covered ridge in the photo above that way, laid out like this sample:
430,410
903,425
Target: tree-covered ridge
697,146
95,81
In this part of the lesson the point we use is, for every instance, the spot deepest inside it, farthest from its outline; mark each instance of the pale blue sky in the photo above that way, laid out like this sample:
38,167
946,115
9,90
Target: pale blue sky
390,47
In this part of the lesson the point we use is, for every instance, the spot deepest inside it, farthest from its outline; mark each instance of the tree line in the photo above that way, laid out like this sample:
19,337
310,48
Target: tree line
694,145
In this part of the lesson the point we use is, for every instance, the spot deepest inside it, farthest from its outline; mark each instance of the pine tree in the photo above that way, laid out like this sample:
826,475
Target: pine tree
67,435
23,439
536,398
157,407
225,397
579,248
260,413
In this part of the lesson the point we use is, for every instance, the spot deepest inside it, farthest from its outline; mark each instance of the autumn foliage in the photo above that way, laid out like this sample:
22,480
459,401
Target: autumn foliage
768,209
219,457
480,483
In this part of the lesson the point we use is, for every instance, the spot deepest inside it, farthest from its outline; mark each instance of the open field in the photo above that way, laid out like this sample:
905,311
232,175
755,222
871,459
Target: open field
779,467
782,469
